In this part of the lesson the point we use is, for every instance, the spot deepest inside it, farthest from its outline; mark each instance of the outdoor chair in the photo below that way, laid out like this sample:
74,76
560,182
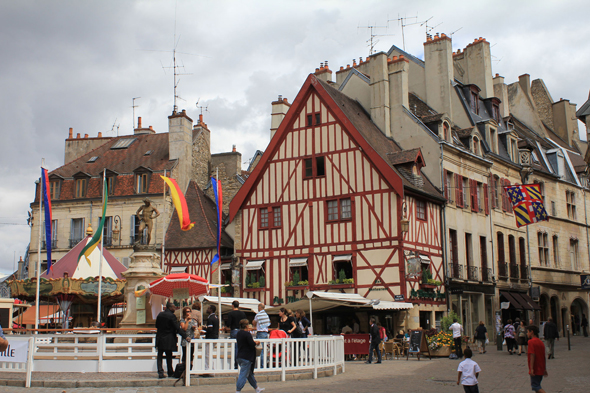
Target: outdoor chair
392,348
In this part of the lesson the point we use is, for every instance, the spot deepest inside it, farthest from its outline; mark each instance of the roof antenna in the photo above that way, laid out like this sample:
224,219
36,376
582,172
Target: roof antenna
451,34
372,41
201,107
133,106
429,28
403,22
113,127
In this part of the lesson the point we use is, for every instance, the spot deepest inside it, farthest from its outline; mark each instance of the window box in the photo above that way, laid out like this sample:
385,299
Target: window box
428,286
254,289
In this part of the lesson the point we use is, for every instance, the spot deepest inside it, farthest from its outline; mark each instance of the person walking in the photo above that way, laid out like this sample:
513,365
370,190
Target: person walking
189,325
585,325
303,323
261,322
211,332
536,359
375,341
550,333
286,322
246,357
457,330
509,336
468,372
233,325
481,336
521,338
167,327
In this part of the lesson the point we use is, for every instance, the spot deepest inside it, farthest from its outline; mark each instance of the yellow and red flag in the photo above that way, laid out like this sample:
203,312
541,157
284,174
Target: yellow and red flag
179,203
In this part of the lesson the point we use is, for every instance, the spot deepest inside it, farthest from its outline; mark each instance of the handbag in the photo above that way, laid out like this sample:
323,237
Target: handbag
258,349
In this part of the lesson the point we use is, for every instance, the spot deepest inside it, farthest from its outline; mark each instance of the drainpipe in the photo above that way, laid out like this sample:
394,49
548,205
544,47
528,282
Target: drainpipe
444,232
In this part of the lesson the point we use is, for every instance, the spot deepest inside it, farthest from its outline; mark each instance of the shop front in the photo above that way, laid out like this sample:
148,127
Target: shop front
473,303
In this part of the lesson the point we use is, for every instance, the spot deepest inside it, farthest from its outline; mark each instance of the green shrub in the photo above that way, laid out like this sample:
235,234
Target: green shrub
303,283
447,321
289,284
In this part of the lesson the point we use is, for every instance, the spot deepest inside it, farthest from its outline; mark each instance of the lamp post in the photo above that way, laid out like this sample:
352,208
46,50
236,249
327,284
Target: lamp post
525,149
404,222
118,228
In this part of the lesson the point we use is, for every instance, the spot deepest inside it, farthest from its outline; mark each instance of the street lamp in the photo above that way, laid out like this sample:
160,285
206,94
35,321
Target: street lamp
405,223
117,229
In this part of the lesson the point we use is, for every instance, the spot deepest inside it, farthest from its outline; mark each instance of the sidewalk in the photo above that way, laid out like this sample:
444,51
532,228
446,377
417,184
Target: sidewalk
568,372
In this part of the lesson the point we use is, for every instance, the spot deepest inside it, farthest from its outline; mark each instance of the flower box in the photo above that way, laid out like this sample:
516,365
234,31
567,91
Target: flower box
444,351
427,286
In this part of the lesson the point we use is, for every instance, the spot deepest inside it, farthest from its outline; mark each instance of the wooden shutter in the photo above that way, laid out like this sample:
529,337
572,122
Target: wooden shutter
458,188
473,193
486,199
502,180
446,185
508,200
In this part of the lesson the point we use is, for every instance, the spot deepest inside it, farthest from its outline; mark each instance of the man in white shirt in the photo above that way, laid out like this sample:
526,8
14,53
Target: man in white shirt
468,371
261,322
457,330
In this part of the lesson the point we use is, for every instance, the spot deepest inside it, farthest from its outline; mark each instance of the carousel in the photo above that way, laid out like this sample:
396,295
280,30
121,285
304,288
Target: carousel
72,283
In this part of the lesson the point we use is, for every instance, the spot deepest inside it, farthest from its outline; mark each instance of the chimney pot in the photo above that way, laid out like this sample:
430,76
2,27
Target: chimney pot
201,118
285,101
139,122
85,136
497,75
184,111
100,134
326,63
342,68
317,70
443,35
78,136
280,97
71,133
347,66
233,148
151,128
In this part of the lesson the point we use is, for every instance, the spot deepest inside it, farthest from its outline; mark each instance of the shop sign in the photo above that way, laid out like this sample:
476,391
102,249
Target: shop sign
585,279
399,298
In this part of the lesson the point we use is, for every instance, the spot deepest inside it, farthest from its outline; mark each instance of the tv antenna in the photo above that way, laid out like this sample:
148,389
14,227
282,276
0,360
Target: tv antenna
133,106
372,41
403,22
113,127
201,108
429,28
451,34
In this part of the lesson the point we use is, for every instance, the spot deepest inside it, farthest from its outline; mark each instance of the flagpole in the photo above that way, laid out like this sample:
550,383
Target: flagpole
104,189
39,250
164,225
218,250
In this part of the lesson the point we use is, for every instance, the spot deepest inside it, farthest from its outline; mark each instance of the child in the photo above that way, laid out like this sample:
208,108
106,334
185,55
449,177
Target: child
468,373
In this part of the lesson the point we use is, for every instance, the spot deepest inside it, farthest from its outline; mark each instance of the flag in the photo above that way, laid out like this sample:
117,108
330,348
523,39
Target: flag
92,243
216,185
48,221
527,204
179,203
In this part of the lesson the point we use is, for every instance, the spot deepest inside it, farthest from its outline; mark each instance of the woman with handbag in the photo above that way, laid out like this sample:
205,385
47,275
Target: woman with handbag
190,326
522,339
509,336
246,357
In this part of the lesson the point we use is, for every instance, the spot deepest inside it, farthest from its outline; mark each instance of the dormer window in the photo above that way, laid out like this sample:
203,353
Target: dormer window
513,149
494,140
54,186
446,131
496,112
81,184
474,98
111,185
142,180
475,145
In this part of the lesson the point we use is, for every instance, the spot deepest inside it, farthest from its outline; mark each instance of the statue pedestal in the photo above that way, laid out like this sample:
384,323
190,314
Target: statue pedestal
143,269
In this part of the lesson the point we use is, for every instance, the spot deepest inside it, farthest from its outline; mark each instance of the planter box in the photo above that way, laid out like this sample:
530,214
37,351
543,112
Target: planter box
443,351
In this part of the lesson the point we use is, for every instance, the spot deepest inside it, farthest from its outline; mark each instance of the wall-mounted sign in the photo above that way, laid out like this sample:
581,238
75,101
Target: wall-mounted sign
399,298
585,279
140,303
140,317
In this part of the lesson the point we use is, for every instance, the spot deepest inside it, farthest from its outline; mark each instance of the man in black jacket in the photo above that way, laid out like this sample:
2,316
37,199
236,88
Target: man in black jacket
375,341
550,333
211,333
167,327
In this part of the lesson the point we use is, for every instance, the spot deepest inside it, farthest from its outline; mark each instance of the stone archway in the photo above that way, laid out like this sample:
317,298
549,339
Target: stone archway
554,310
578,308
545,305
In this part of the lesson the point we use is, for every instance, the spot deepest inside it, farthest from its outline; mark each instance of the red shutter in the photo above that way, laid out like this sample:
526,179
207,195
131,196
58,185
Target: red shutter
502,183
446,185
508,201
486,199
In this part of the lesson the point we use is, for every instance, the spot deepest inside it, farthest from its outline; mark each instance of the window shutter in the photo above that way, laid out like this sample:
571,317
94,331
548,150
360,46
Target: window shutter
460,201
473,193
132,231
508,201
446,184
502,183
457,191
486,199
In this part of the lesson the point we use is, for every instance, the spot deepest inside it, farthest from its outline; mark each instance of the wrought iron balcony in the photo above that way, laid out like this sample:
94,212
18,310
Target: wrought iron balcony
473,273
486,275
456,271
53,244
502,269
74,241
513,271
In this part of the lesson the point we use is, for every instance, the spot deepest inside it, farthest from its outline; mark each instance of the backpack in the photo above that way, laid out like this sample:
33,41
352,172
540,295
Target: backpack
179,370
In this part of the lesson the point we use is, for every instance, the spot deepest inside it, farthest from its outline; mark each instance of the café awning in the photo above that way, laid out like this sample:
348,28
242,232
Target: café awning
247,304
254,265
297,262
512,300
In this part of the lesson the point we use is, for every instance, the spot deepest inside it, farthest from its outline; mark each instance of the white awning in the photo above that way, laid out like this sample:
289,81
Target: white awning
388,305
177,269
347,257
254,265
226,302
225,266
425,259
297,262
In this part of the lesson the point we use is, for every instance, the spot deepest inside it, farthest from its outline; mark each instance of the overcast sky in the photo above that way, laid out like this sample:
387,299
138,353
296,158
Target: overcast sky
79,64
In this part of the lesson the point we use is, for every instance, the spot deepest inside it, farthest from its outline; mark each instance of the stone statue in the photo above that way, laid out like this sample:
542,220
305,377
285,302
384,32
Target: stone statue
146,214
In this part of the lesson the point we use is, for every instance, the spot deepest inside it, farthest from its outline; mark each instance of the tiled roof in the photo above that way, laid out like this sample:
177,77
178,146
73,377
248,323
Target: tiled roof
403,157
419,107
465,132
203,213
432,118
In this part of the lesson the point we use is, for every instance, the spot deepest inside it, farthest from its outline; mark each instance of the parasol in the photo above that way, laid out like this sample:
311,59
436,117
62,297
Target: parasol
177,282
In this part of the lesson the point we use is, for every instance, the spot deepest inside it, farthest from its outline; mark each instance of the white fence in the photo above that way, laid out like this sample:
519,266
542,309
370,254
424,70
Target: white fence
137,353
25,365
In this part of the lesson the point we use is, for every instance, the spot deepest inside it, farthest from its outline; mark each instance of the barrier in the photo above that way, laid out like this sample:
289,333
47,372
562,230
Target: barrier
18,357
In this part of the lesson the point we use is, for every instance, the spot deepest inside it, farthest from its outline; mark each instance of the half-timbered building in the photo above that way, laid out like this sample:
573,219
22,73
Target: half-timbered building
336,205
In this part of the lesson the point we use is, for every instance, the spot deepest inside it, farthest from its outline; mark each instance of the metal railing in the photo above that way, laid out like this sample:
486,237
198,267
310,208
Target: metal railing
473,273
502,269
53,244
486,275
513,271
107,240
456,271
524,272
74,241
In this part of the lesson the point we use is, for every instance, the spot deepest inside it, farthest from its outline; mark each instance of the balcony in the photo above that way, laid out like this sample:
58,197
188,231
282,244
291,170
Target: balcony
456,271
53,244
524,272
107,241
502,269
486,275
74,241
473,273
513,271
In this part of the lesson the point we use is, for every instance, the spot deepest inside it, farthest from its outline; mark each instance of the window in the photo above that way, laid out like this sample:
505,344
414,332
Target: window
475,102
465,187
459,190
107,231
512,249
574,254
446,131
556,250
513,150
543,249
553,210
570,198
342,267
318,119
255,274
93,159
493,139
123,143
468,250
314,168
494,180
264,217
298,270
454,251
506,203
501,255
483,250
475,195
309,120
449,186
270,217
54,188
111,185
496,112
141,181
339,209
81,187
475,145
276,216
53,236
421,210
76,231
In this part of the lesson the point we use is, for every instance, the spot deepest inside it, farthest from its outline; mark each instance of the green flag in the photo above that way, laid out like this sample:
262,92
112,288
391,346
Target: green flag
92,243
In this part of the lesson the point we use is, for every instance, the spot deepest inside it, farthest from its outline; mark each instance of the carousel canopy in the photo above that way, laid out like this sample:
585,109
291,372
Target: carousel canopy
79,268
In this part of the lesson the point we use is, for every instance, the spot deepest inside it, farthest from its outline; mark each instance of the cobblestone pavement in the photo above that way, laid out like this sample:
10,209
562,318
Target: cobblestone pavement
569,372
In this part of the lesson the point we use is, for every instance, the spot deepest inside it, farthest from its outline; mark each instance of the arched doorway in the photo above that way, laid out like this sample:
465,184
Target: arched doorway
577,310
545,312
555,309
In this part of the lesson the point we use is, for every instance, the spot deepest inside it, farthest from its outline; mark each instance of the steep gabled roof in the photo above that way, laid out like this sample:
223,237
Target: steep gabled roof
203,213
584,110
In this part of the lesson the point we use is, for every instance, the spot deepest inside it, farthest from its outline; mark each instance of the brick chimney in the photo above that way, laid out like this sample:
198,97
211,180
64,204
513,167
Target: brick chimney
476,62
279,109
565,122
140,130
324,73
379,87
180,138
501,92
438,58
201,153
398,68
77,147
